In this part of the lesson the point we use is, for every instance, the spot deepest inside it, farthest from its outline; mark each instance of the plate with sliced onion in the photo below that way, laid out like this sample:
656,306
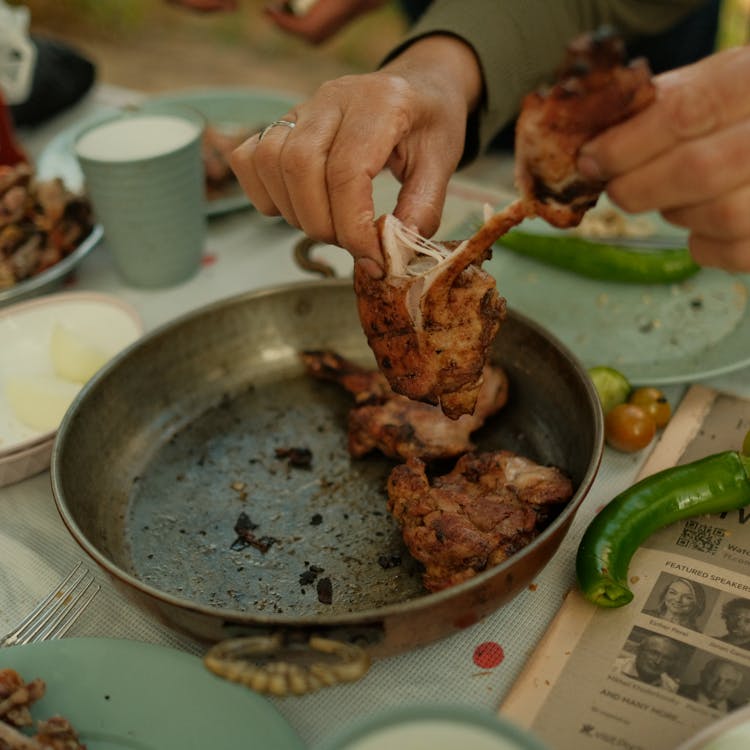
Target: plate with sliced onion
51,347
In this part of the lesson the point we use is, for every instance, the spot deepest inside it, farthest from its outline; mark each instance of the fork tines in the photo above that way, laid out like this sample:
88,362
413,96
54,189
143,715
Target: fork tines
55,615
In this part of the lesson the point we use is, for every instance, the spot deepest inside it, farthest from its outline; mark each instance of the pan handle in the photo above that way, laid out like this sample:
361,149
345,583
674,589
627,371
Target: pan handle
303,258
297,670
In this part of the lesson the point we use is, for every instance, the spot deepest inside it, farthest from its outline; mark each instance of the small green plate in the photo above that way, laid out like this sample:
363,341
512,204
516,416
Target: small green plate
127,694
653,334
245,108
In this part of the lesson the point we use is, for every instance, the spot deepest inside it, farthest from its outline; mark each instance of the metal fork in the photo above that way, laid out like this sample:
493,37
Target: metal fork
55,614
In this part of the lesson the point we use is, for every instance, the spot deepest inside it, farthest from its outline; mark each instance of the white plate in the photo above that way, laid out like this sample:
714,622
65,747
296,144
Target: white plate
25,333
24,463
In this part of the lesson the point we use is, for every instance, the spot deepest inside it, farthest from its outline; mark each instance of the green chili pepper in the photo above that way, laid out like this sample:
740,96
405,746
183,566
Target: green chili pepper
715,484
603,261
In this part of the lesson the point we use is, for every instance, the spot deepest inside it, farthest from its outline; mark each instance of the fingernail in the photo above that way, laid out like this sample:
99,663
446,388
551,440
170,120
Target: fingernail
589,167
371,268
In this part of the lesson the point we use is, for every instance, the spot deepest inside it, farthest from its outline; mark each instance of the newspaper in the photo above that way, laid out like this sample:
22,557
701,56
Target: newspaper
649,675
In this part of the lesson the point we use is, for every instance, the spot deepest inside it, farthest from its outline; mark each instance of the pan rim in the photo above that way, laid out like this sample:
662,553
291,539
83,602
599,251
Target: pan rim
237,617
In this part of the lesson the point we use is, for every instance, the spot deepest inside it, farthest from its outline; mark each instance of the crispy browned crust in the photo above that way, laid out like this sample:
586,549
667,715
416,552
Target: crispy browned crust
431,340
595,90
397,426
439,358
488,507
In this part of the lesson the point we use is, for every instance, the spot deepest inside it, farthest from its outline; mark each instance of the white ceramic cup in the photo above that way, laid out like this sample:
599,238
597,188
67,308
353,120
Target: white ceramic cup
144,176
433,727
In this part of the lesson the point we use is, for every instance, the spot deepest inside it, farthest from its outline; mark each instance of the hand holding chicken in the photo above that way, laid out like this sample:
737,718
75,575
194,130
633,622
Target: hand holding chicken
429,311
687,157
431,319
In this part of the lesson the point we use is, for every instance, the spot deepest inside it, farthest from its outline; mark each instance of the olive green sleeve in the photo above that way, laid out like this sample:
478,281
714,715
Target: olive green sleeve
520,43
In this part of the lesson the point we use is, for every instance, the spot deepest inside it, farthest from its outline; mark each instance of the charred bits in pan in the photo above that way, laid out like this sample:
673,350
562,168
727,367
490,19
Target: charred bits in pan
325,591
245,528
324,586
299,458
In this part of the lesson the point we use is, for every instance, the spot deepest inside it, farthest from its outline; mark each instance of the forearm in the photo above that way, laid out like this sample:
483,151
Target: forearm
520,43
442,63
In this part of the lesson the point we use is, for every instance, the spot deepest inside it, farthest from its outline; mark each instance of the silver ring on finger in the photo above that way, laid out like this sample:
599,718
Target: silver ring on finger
285,123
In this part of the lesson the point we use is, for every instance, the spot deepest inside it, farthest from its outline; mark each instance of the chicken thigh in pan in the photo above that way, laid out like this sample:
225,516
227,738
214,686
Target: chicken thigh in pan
397,426
488,507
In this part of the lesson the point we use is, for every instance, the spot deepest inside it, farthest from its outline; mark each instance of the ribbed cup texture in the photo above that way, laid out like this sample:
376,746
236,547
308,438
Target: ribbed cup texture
152,212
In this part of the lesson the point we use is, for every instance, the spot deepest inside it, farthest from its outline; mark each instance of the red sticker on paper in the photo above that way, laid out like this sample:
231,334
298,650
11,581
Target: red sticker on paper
488,654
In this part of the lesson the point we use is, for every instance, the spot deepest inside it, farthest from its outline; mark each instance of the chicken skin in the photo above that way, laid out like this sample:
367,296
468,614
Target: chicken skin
431,319
486,509
594,91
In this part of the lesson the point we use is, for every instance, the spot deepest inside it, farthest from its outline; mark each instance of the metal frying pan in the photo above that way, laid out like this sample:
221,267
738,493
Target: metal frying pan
169,445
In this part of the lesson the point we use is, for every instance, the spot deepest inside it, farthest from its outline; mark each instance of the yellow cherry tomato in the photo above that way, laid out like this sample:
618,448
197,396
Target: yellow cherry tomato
654,403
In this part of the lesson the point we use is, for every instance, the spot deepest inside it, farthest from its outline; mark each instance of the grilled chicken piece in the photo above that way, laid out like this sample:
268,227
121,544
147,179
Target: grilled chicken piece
56,733
396,426
488,507
402,428
594,91
17,696
367,386
431,319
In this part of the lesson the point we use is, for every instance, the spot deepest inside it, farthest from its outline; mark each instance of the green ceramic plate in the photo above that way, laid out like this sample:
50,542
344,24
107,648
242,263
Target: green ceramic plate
244,108
127,694
653,334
